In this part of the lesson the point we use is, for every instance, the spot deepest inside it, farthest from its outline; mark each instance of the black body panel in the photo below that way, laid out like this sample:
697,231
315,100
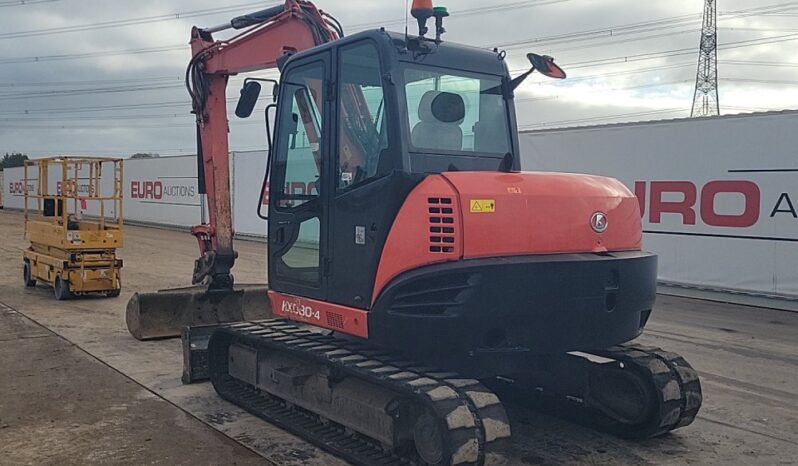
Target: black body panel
487,317
374,207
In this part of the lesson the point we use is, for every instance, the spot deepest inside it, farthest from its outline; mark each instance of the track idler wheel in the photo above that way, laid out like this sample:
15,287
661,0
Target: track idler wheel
621,394
645,392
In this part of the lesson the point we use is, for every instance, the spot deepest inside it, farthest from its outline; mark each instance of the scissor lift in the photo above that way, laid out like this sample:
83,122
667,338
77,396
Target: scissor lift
73,220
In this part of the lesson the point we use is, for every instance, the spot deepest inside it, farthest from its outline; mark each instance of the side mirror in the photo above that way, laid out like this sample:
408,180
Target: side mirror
545,65
249,97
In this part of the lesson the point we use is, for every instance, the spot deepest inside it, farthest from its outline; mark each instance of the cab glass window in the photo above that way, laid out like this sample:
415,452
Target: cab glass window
300,137
456,111
362,131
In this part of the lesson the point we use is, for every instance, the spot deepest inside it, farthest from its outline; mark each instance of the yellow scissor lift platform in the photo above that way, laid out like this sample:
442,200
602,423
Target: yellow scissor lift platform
73,220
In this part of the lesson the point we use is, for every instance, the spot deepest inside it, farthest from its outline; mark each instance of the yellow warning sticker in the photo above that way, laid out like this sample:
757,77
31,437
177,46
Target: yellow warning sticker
483,205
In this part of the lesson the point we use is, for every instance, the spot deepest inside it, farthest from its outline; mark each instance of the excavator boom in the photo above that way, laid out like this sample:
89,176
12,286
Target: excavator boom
272,34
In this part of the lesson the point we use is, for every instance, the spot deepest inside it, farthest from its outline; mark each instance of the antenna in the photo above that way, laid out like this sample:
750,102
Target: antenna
407,17
705,99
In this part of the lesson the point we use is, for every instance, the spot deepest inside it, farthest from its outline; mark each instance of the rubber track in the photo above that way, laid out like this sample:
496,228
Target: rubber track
472,417
676,388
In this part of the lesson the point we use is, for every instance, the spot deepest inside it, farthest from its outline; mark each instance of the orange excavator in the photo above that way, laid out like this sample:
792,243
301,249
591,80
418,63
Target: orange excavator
419,281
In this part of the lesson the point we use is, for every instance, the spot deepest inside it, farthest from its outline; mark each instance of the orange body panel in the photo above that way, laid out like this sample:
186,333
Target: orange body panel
516,214
320,314
410,242
545,213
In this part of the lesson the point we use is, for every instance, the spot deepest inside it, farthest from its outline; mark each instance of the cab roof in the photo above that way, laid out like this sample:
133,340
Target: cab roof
444,54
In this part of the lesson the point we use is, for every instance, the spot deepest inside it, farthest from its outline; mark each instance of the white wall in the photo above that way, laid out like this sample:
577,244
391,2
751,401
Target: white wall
247,173
14,188
753,151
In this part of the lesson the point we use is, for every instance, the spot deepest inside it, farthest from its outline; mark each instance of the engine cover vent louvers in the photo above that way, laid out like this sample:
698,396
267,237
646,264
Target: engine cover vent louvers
439,296
441,225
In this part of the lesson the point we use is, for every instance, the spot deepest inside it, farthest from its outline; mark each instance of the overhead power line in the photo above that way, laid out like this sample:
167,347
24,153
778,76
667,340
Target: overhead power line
134,21
573,65
154,79
515,6
227,9
25,2
106,108
92,82
693,19
89,91
779,38
785,82
758,63
621,30
107,53
129,84
17,121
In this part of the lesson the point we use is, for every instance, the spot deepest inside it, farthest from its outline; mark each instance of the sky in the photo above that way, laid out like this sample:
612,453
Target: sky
73,80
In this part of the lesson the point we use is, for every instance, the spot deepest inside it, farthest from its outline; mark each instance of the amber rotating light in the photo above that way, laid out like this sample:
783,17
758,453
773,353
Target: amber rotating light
422,11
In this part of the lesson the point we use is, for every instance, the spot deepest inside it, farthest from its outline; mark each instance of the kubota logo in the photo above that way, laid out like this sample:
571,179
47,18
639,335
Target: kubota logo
599,222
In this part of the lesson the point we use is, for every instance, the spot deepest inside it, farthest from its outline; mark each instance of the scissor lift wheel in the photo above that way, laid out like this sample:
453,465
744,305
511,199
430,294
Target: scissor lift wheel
61,289
27,277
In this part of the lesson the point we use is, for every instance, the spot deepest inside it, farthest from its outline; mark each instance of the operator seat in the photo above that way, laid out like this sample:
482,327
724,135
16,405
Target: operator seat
440,115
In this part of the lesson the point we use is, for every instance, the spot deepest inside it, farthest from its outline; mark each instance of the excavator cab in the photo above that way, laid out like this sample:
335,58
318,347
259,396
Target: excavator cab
360,122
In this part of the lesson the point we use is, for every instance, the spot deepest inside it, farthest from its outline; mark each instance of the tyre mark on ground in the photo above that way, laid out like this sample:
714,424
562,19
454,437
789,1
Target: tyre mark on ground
738,349
788,398
745,429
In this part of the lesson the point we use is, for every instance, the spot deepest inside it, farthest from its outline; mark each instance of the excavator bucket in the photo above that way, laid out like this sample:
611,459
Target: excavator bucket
164,313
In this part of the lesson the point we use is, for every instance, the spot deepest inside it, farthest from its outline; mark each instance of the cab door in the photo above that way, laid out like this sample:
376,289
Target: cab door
298,199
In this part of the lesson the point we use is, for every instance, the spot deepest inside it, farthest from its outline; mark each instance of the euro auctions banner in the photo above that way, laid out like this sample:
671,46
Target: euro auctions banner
162,191
718,196
14,188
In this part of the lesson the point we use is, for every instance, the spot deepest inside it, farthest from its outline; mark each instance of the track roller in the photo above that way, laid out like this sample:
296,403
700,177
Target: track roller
368,406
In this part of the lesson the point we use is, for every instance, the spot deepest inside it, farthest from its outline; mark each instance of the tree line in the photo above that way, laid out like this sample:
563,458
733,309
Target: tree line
14,159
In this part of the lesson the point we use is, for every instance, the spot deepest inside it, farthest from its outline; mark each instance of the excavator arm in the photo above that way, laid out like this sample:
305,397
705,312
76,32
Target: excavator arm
278,31
269,36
